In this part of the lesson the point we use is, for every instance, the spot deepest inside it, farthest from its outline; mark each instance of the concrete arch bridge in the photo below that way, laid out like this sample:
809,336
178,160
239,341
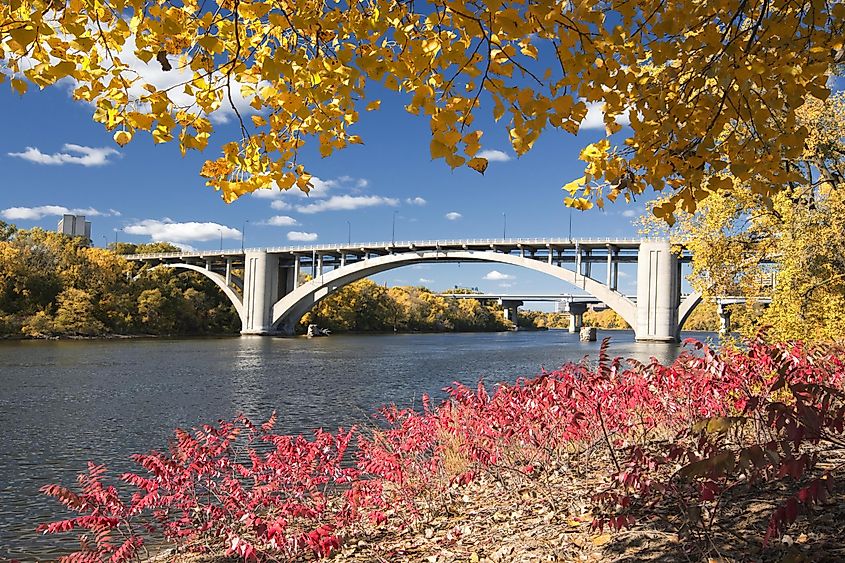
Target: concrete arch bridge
267,289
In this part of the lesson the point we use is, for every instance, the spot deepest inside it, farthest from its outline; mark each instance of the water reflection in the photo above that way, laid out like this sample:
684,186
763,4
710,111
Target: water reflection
63,403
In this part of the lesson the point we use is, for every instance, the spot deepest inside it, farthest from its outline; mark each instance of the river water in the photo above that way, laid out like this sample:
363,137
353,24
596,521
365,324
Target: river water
63,403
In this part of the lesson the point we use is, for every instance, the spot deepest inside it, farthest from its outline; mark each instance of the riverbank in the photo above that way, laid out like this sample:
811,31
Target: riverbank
546,517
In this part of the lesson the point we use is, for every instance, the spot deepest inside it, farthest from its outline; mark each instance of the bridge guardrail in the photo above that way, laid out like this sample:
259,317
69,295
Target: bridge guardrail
388,245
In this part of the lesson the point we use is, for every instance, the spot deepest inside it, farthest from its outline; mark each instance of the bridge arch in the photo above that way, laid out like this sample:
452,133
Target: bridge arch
287,311
219,280
687,307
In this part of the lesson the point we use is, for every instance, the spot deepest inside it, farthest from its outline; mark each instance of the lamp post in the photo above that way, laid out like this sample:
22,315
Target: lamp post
348,232
243,234
393,231
221,239
504,225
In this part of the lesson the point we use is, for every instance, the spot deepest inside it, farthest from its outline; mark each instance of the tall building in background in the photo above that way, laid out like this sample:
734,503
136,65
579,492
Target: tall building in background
75,226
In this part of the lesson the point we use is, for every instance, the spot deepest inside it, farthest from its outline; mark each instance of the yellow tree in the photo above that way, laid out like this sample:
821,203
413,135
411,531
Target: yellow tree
707,86
790,246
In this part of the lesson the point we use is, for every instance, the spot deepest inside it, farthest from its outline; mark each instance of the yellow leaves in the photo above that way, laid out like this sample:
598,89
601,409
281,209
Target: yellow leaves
20,86
162,134
472,143
23,36
595,151
122,137
579,203
140,120
698,106
575,185
601,540
478,164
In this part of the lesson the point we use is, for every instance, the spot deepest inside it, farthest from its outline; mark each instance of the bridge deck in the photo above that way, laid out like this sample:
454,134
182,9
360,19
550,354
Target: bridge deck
591,250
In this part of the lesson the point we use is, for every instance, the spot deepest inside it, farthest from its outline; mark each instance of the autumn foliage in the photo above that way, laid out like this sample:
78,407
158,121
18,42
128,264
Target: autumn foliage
684,436
707,87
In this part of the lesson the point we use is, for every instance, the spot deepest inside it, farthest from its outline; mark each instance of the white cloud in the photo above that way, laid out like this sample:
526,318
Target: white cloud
167,231
494,155
415,201
182,246
299,236
495,275
273,193
279,221
70,154
595,117
453,215
279,205
347,203
38,213
425,280
629,213
505,285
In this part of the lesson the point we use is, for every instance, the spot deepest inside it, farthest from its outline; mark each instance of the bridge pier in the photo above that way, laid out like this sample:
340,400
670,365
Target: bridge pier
261,289
576,316
724,318
658,293
511,311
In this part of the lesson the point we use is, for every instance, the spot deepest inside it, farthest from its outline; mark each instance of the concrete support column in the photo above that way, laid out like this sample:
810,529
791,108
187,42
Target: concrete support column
658,293
610,262
261,287
342,259
577,260
551,255
615,279
319,264
588,264
208,264
297,269
724,319
576,321
576,316
511,310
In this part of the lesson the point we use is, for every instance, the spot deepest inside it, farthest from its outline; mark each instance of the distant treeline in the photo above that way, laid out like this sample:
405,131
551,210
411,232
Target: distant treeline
365,306
55,285
704,318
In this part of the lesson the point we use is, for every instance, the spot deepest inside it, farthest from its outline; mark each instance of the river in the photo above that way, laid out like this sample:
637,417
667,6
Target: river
63,403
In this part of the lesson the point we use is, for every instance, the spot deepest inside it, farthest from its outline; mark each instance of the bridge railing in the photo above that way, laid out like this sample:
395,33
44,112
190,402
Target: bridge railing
422,244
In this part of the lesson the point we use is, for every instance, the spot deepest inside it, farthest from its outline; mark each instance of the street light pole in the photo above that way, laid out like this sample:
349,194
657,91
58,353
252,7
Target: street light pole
504,225
221,239
393,231
348,232
243,234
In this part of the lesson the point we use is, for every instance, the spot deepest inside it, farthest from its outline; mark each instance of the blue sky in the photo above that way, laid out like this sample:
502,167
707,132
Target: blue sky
54,156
